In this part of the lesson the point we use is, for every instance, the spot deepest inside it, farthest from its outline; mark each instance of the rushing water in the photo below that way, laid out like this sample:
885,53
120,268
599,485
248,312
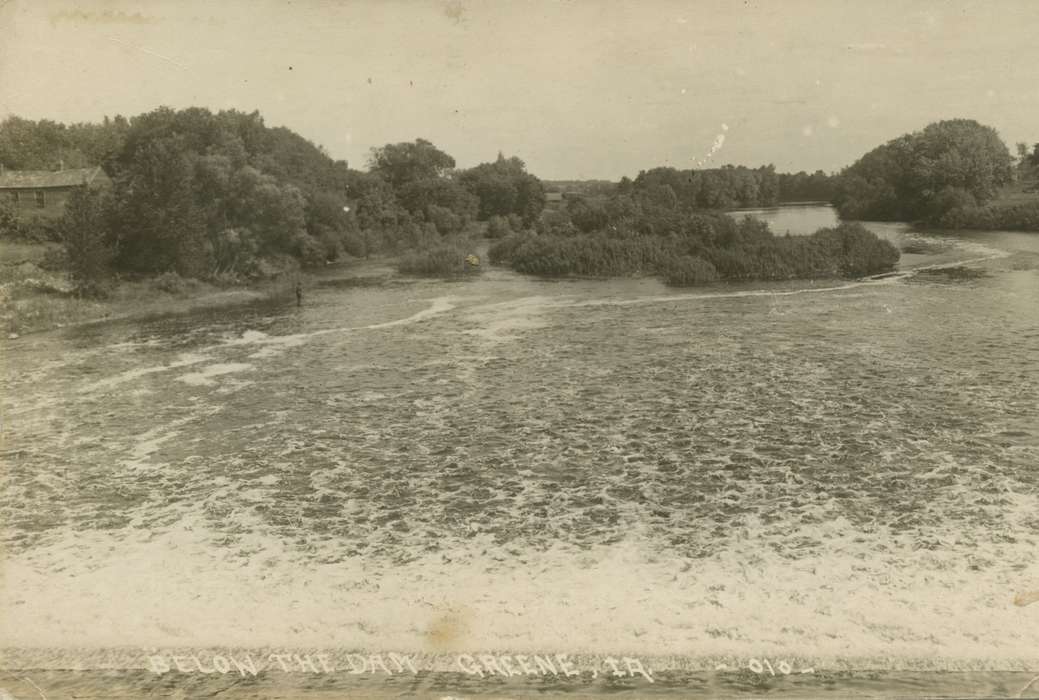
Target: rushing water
837,469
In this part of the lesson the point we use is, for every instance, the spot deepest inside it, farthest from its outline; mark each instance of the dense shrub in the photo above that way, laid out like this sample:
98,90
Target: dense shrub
498,227
501,252
856,251
697,248
35,229
355,244
687,271
438,261
590,255
446,221
555,223
9,227
1018,217
309,250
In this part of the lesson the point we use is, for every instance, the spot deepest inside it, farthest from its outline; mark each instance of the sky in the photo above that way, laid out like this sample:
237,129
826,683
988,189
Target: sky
585,89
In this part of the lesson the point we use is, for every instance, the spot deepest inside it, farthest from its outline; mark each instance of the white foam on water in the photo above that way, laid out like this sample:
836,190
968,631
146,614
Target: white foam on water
506,321
143,446
438,306
185,360
176,588
205,376
270,346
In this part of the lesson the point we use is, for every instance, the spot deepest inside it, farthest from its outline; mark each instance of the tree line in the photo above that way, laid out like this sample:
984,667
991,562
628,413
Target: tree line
923,176
728,187
224,196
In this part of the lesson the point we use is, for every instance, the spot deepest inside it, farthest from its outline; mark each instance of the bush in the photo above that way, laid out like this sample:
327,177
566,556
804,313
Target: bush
9,225
41,229
688,271
498,227
501,252
857,251
694,248
35,229
1018,217
555,223
590,255
355,244
309,250
438,261
446,221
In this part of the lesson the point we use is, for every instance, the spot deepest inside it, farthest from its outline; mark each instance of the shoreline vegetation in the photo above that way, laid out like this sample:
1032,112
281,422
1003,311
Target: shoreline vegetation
35,297
953,174
209,208
688,249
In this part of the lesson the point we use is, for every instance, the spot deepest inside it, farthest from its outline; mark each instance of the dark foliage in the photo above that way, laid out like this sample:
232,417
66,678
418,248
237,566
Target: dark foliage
88,246
921,176
505,188
687,248
1018,217
729,187
802,187
442,260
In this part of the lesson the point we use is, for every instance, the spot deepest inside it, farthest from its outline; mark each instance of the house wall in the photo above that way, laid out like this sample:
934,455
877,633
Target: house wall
26,207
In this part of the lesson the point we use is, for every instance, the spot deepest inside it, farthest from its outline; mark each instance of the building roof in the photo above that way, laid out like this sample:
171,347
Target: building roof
553,196
42,179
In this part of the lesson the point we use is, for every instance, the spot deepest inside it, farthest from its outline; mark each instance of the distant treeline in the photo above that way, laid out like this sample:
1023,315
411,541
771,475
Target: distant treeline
221,194
728,187
587,188
946,175
639,234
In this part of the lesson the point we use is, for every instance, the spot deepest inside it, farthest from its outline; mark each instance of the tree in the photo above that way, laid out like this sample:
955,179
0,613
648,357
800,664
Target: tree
401,163
84,234
504,187
418,196
908,177
158,225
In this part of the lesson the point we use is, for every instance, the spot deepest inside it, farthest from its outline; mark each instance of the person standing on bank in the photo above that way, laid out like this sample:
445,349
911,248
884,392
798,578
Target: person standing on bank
299,293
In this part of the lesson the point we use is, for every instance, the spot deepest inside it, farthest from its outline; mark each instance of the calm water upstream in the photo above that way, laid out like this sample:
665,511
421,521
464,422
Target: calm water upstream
838,469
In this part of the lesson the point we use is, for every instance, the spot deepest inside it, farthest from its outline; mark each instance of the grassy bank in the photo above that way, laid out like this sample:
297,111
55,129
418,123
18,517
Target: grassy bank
35,294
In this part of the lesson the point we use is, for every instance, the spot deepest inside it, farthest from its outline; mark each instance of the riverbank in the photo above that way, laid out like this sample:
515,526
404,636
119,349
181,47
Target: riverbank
35,294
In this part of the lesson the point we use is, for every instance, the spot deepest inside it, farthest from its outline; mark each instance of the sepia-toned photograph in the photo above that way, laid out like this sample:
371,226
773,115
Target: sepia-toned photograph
453,349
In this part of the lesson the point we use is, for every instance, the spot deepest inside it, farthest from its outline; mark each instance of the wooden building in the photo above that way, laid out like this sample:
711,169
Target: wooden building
43,192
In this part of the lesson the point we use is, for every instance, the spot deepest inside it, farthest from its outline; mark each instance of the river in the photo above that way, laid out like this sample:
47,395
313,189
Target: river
838,469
